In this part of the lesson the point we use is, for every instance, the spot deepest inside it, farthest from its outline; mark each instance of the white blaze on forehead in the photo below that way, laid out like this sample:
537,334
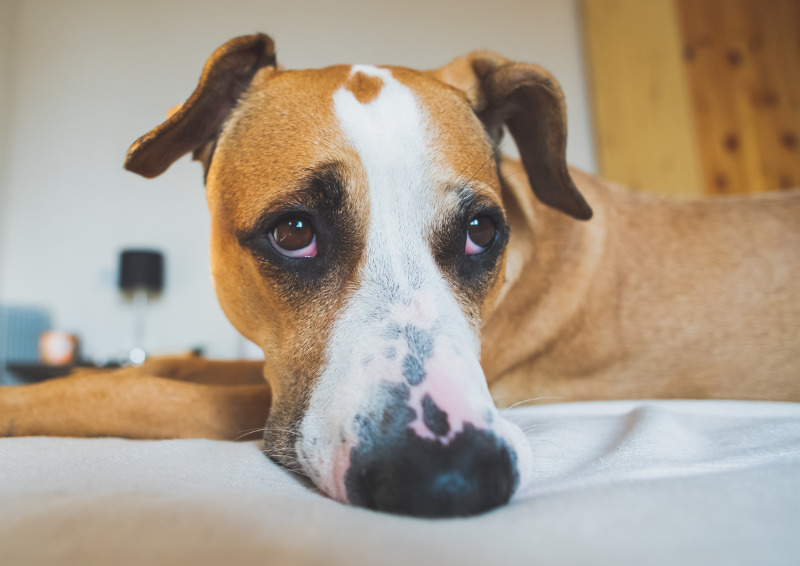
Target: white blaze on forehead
390,135
393,138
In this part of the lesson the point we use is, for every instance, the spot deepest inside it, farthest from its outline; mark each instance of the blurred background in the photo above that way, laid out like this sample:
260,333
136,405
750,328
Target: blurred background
677,96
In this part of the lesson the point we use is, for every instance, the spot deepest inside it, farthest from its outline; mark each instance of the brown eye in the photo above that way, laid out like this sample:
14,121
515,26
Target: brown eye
294,237
481,232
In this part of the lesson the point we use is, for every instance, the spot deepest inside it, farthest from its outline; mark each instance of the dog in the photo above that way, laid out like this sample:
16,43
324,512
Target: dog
404,280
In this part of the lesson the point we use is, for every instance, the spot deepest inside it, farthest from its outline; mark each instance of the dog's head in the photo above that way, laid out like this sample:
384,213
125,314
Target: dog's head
358,236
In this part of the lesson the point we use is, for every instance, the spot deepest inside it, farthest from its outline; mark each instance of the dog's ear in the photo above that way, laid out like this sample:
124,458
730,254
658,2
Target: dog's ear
197,121
529,101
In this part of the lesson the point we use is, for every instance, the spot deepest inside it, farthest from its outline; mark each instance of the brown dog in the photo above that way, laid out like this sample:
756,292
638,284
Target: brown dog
367,235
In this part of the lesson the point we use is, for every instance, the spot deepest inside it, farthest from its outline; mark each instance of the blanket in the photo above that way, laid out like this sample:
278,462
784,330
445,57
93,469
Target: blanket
656,482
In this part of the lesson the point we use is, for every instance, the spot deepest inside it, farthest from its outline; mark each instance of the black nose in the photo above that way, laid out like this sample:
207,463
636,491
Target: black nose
473,473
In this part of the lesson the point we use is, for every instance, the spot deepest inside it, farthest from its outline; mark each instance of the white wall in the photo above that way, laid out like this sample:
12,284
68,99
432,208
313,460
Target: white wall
6,103
86,77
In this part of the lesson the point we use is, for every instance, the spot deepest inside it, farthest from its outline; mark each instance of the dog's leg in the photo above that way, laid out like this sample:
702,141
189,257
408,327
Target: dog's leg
201,370
122,403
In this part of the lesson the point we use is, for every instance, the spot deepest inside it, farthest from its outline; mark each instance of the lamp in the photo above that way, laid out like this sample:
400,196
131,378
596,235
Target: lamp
141,272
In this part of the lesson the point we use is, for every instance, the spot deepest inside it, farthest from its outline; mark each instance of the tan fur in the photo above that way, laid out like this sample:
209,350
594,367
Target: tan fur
295,108
651,298
218,400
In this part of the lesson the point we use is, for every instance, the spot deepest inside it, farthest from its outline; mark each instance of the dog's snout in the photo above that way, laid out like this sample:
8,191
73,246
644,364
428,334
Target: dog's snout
473,473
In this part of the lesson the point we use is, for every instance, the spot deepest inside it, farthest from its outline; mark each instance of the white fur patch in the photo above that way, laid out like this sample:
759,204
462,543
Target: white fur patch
391,138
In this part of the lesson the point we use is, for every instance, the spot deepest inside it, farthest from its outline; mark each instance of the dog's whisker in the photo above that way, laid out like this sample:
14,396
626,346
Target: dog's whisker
488,159
284,430
493,156
534,399
506,177
467,166
244,433
247,431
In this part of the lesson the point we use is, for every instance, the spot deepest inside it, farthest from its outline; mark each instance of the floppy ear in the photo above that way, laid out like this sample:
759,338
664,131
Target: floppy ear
197,121
529,101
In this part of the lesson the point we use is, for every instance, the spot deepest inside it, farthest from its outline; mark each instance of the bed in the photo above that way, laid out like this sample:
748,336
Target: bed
655,482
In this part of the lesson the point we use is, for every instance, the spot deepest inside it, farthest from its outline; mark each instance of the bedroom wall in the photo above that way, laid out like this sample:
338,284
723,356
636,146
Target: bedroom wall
6,60
89,76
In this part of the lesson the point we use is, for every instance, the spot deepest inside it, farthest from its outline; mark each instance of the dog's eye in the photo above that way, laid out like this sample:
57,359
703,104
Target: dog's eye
294,237
481,232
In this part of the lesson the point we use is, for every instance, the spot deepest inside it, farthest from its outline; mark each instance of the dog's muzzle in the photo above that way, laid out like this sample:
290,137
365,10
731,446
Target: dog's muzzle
402,420
409,456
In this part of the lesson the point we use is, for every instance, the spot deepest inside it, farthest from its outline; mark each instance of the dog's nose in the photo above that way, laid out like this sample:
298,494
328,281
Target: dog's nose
473,473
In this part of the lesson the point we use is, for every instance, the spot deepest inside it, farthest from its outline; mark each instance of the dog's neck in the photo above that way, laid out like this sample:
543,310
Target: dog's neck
552,267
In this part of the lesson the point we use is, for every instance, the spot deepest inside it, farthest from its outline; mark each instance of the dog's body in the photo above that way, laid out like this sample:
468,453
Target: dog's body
662,298
366,239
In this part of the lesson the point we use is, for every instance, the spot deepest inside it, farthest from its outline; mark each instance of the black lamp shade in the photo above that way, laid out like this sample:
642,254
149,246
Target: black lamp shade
141,269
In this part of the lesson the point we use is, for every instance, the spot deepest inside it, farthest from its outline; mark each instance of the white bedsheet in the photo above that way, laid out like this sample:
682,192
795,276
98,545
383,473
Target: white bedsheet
662,482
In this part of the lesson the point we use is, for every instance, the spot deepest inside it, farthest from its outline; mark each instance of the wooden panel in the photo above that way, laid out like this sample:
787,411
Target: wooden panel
644,133
743,62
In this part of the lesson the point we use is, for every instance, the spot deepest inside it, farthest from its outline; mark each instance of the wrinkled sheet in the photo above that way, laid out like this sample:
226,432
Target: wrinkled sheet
656,482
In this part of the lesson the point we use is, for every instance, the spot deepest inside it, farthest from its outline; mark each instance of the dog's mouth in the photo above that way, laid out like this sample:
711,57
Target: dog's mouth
282,437
393,457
